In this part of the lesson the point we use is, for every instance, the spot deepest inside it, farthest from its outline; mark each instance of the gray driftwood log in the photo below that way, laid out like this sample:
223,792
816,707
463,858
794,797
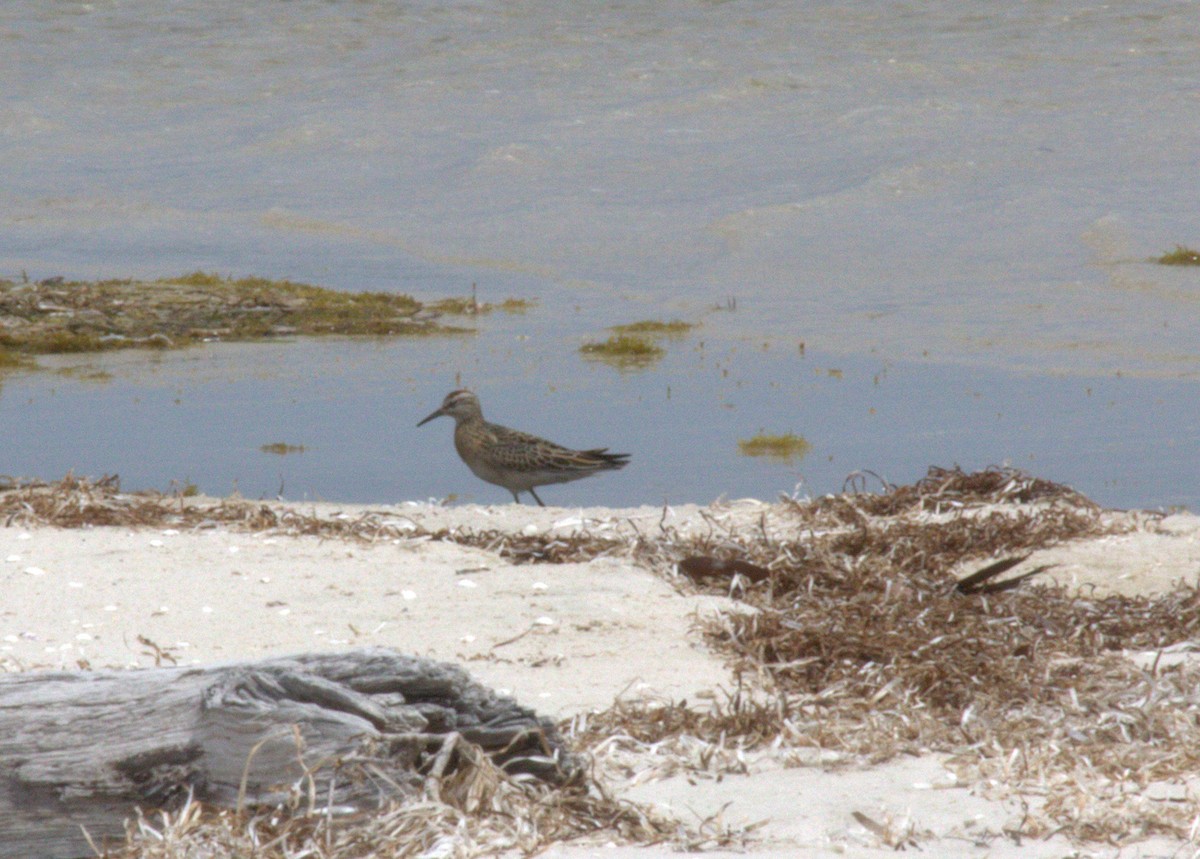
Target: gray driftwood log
80,750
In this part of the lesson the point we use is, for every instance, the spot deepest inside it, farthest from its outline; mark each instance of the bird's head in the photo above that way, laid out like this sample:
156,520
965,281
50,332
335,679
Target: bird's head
458,404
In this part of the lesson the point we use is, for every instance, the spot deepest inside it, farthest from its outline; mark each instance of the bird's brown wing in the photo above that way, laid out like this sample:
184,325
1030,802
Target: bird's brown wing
520,451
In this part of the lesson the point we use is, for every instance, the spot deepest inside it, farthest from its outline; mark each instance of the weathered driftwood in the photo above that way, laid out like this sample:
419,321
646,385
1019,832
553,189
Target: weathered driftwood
79,750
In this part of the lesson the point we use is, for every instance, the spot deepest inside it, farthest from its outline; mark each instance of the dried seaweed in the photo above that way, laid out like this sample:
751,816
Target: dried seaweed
854,644
861,644
75,502
469,808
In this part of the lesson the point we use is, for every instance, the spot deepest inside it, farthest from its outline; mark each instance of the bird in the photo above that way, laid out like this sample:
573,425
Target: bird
513,459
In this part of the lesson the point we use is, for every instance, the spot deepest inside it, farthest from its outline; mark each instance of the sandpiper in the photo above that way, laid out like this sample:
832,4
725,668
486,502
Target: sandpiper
513,459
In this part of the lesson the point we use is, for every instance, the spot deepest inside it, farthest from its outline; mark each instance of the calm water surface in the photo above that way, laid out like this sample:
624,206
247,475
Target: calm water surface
951,207
202,417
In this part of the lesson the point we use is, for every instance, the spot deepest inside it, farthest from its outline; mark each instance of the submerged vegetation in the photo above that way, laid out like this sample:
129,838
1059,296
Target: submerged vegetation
650,327
634,345
12,359
625,350
787,446
472,306
282,448
1180,256
56,316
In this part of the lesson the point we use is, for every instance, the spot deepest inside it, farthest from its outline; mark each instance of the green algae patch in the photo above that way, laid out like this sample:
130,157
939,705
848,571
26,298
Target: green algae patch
56,316
634,345
471,306
84,373
786,447
653,328
624,351
11,359
197,278
280,448
1179,256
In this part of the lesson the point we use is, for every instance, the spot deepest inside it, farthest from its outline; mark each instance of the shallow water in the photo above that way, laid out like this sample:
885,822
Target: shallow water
203,415
951,205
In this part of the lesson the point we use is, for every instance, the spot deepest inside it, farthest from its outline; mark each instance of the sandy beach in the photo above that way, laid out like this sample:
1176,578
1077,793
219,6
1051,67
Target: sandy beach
563,638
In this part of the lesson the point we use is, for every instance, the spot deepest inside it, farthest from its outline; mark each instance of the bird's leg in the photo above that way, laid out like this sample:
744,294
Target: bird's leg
516,497
535,497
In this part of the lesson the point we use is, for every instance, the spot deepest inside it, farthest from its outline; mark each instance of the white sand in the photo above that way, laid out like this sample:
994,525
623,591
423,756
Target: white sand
563,639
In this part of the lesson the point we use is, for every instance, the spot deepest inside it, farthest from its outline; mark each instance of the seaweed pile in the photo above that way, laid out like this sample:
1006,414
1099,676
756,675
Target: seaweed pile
57,316
863,626
469,808
858,642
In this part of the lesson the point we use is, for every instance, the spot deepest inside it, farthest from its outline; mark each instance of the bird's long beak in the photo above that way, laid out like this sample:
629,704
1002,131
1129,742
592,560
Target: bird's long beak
436,414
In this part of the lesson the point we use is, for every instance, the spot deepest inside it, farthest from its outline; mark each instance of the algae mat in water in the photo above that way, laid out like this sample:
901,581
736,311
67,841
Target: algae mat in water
57,316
